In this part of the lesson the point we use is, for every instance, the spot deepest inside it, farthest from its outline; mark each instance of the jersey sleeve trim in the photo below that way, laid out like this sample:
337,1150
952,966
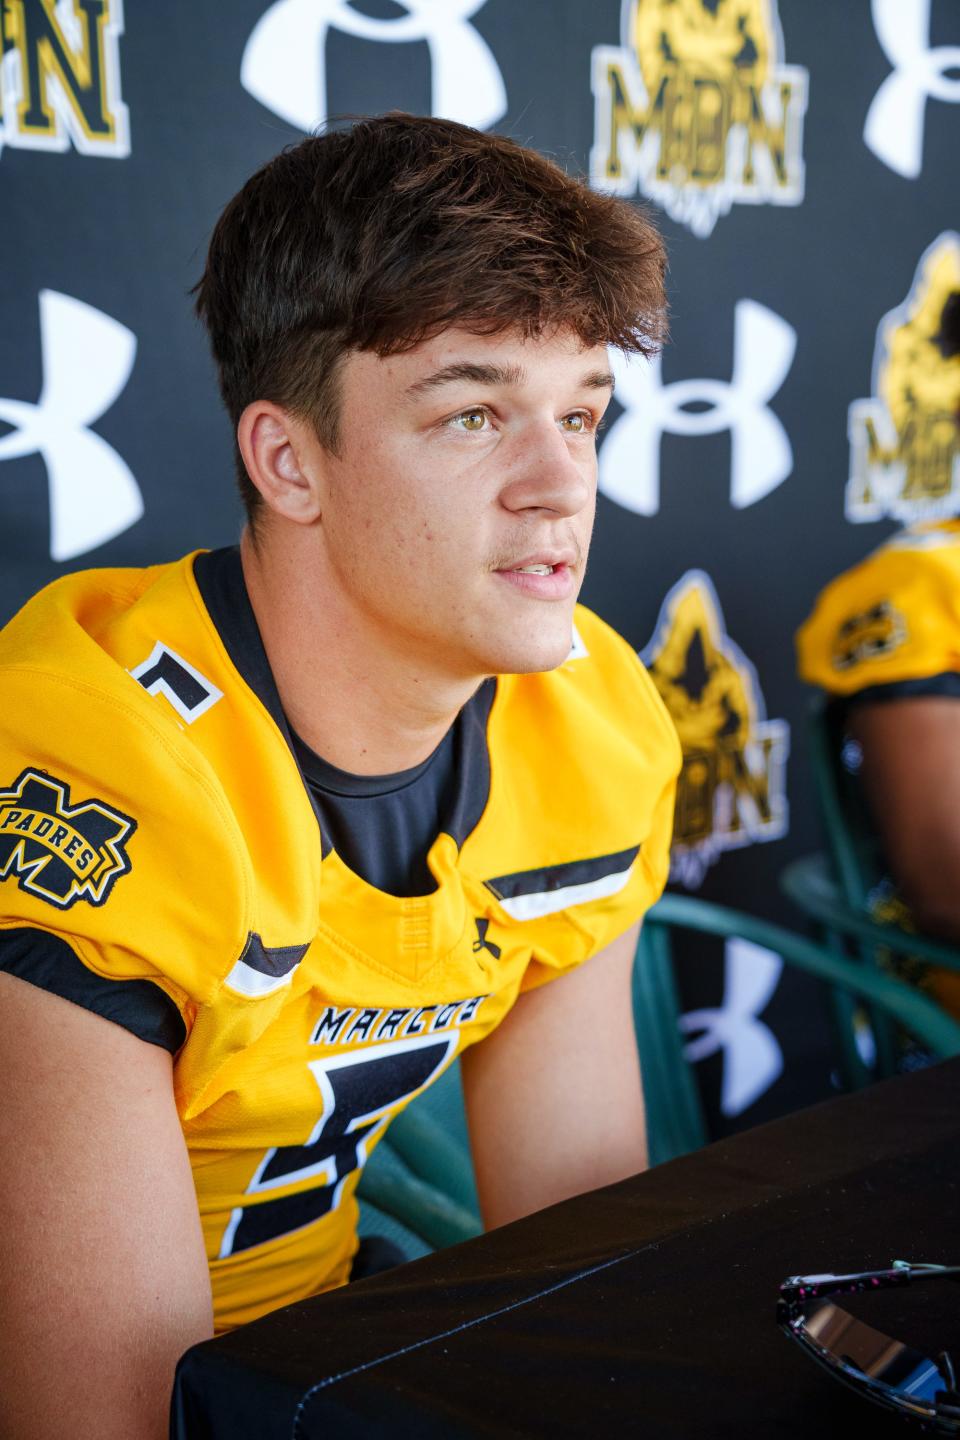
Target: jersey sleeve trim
946,683
528,894
51,964
261,969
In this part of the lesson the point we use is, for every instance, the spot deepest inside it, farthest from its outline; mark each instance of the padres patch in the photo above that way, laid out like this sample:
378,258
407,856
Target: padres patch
61,852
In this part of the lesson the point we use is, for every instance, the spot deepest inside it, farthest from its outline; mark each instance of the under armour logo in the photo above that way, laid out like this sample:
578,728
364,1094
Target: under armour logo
482,943
284,62
87,360
752,1058
761,455
894,124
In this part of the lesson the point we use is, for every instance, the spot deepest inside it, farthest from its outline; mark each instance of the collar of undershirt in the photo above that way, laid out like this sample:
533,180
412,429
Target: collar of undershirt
219,577
333,781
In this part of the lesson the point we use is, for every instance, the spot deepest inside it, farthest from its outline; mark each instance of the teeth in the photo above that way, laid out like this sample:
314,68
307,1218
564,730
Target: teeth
535,570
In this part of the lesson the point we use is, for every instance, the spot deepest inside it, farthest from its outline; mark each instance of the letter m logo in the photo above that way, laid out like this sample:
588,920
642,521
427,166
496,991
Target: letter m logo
61,853
60,76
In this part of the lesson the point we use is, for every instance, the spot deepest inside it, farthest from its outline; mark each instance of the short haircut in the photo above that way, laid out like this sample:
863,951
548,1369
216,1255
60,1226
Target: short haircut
382,235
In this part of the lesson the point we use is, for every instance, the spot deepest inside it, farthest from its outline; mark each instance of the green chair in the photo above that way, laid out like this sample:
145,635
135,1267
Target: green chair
420,1178
675,1119
835,891
852,842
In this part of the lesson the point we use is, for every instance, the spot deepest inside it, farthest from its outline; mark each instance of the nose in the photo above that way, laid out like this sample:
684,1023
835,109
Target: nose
549,472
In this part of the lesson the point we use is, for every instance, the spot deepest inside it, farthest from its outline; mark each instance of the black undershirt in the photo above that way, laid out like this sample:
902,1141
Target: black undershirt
946,683
382,826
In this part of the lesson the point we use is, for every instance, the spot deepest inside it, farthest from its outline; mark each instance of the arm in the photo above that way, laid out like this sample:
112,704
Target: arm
911,775
553,1095
103,1276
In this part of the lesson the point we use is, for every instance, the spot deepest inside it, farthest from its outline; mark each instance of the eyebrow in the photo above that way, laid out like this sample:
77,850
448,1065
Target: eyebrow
476,374
473,373
599,380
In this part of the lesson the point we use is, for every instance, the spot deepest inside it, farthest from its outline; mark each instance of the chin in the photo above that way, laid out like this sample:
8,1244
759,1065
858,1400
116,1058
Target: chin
532,658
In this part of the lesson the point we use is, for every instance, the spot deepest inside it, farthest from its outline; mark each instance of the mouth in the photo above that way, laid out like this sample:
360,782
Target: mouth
542,577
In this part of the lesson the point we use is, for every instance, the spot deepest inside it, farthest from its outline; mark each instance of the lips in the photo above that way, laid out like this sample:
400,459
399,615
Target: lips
541,577
542,562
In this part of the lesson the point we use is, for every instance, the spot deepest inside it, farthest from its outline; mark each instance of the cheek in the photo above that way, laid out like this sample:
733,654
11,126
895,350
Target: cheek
410,509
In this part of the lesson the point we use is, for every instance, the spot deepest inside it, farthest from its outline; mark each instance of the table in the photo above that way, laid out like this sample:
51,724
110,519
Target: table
645,1308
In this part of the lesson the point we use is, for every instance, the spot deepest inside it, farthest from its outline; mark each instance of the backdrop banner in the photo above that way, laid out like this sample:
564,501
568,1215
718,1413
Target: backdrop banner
797,157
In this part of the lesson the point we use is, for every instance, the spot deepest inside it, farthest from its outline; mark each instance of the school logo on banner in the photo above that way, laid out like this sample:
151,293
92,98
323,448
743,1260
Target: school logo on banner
732,787
761,456
920,72
60,76
904,441
696,109
87,360
285,63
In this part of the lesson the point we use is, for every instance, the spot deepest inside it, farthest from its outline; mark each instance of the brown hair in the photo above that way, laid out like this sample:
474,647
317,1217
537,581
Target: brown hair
382,235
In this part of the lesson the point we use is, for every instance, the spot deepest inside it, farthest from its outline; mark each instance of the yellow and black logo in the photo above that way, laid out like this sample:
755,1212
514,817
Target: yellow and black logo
732,788
874,632
61,853
696,109
60,76
905,439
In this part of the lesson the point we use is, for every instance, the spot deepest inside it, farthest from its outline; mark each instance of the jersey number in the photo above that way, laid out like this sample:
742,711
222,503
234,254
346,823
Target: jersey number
359,1092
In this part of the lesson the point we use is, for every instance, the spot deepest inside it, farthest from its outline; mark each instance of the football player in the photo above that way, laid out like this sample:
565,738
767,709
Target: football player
884,641
288,827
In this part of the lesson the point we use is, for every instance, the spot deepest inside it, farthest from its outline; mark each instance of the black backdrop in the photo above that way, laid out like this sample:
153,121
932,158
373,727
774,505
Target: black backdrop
124,134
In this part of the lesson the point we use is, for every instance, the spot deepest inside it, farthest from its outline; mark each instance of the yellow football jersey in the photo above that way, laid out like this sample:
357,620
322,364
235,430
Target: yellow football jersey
892,619
161,863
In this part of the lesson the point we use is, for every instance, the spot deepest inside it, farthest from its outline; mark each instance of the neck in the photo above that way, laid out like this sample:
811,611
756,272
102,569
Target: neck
364,704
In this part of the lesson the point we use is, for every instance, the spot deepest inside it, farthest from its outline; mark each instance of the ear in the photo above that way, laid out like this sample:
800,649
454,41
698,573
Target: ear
282,456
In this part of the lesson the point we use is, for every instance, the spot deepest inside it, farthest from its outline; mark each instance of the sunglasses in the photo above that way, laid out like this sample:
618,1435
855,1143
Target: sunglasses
876,1366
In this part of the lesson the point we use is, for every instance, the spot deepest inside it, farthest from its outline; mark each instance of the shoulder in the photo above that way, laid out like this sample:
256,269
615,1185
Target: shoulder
88,650
583,763
601,695
114,827
895,616
574,841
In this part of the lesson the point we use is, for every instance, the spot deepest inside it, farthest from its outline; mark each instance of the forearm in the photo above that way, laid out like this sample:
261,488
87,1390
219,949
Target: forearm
554,1096
528,1166
103,1277
911,777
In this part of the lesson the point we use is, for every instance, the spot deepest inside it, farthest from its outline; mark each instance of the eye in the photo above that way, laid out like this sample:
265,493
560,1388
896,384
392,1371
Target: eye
576,424
470,420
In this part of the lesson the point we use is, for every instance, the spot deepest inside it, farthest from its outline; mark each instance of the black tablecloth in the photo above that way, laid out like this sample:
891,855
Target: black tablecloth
645,1308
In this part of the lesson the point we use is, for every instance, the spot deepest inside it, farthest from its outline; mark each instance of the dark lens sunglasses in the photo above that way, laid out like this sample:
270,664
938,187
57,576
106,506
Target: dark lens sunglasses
878,1367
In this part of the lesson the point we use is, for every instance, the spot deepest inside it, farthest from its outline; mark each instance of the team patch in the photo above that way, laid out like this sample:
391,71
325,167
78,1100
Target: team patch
61,852
867,636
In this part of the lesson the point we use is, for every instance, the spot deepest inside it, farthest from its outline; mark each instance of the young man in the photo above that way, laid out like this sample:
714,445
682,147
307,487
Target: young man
286,829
